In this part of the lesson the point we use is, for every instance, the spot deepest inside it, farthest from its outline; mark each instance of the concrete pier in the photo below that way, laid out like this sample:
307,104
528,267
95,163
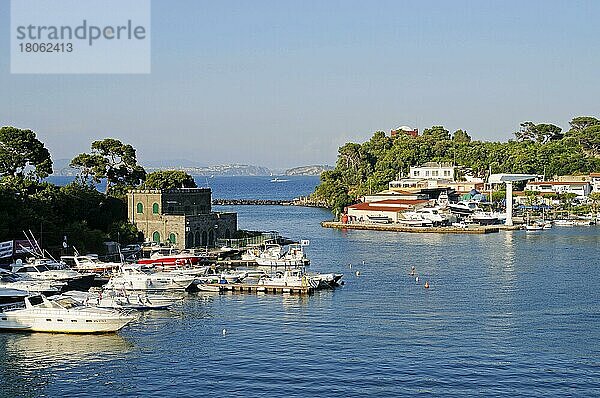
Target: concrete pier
401,228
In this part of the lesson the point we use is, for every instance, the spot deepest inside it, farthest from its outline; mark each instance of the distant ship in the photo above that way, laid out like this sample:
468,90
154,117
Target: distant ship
276,179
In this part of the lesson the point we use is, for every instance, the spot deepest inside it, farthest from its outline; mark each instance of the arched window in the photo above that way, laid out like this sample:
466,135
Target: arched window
197,239
155,208
156,236
140,208
190,240
211,238
204,238
172,238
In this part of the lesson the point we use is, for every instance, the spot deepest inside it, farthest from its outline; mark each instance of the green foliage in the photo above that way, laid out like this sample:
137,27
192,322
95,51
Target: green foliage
461,136
114,161
20,150
78,211
370,166
168,179
540,133
438,133
582,122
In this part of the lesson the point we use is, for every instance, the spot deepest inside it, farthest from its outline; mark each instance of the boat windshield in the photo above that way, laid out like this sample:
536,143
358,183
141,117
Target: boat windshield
66,302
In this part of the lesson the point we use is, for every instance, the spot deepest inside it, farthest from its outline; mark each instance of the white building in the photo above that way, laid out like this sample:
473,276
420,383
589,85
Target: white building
580,188
433,171
595,181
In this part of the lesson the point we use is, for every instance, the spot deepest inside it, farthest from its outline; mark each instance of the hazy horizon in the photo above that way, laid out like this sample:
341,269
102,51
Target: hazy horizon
284,84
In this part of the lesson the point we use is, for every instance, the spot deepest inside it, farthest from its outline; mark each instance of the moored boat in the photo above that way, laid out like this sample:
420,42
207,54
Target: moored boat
64,315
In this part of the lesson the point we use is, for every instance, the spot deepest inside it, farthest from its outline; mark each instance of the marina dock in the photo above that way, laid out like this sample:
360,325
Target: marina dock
401,228
253,288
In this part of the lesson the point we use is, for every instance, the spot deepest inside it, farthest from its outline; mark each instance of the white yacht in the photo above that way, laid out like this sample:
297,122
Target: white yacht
433,214
293,257
464,207
63,315
132,278
414,219
124,300
44,269
274,256
90,264
33,286
292,278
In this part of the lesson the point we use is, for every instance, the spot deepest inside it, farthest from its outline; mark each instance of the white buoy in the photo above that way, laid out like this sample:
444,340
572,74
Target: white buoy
224,332
417,279
363,262
357,273
350,265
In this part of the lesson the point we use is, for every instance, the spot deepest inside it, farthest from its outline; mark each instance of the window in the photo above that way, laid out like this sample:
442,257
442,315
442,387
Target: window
155,208
140,208
172,238
156,236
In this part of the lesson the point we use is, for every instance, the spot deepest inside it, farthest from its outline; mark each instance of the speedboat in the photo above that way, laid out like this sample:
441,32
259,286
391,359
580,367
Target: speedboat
290,278
414,219
484,218
564,223
90,264
275,257
463,207
433,214
124,300
32,286
171,258
64,315
277,179
49,270
132,278
328,280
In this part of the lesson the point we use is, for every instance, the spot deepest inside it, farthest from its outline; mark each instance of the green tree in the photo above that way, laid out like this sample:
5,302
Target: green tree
167,179
437,133
547,132
582,122
461,136
114,161
20,150
526,132
589,139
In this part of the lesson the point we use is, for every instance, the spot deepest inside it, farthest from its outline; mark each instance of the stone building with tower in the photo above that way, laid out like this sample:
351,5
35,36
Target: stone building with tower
182,217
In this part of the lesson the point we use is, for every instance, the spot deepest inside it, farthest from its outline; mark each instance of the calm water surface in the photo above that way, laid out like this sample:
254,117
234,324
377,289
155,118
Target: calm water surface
511,314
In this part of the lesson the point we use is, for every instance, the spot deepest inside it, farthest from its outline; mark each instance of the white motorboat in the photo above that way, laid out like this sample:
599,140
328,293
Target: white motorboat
64,315
290,278
274,256
124,300
432,214
212,276
328,280
414,219
90,264
277,179
463,207
32,286
484,218
49,270
534,227
132,278
564,223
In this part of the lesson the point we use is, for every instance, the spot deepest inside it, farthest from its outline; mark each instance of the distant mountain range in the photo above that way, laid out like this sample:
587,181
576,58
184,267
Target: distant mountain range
314,170
62,168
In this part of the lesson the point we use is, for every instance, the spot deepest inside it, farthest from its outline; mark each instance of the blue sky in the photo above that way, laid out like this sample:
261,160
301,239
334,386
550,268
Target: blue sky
282,83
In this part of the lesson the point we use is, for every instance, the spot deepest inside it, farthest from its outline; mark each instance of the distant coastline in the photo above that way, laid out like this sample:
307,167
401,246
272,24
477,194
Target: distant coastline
63,169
